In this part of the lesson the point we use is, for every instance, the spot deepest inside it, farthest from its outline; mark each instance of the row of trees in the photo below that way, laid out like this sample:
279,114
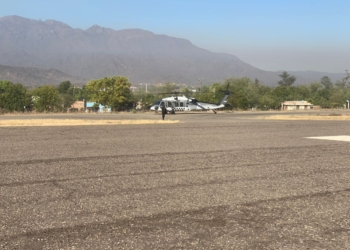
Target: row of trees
115,92
112,91
247,94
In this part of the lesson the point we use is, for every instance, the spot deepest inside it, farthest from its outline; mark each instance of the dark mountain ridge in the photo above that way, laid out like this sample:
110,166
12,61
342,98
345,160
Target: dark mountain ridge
138,54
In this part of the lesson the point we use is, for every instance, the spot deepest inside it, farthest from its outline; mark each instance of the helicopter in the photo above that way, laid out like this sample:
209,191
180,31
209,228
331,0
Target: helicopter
183,103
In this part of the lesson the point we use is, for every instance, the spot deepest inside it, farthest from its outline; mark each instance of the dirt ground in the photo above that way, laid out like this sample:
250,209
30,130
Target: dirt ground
327,117
77,122
225,181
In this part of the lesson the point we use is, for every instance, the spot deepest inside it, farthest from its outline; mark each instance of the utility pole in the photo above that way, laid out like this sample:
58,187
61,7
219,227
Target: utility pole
1,92
201,83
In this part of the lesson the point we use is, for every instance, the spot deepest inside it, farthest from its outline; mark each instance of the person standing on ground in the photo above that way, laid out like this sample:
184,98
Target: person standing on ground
164,111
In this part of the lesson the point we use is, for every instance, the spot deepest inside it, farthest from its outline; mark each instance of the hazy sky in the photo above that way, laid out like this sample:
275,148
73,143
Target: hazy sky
268,34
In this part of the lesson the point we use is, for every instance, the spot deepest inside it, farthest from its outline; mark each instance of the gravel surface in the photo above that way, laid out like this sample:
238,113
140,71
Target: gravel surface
225,181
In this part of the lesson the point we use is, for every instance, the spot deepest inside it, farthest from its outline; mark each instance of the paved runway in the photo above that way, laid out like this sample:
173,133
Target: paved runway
225,181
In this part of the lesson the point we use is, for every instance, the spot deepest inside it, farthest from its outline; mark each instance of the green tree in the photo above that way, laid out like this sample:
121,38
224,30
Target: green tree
281,94
46,98
343,82
314,87
63,87
326,82
287,80
67,94
145,99
238,87
207,94
302,93
254,90
321,98
112,91
13,97
268,101
66,101
338,97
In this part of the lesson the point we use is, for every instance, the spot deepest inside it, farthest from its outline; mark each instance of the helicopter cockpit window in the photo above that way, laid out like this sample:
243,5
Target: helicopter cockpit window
169,104
176,104
181,104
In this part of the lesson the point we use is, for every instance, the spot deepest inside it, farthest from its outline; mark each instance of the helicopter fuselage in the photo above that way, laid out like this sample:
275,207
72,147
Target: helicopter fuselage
183,103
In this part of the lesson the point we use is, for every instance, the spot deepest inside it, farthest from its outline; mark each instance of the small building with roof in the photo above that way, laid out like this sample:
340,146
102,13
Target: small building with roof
296,105
90,107
78,105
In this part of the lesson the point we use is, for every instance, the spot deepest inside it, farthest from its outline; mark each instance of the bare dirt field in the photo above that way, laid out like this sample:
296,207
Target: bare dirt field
327,117
225,181
77,122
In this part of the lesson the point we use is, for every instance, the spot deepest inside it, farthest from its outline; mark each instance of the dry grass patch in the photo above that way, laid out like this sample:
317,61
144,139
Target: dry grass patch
70,122
330,117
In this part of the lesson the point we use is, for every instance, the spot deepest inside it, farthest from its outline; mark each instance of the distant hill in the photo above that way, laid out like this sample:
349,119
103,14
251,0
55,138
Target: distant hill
35,76
138,54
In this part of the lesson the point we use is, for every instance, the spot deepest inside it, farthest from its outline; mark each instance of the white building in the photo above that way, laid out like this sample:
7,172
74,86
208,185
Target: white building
296,105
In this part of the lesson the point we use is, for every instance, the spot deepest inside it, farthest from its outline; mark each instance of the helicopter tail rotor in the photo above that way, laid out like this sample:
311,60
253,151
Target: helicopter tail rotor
227,92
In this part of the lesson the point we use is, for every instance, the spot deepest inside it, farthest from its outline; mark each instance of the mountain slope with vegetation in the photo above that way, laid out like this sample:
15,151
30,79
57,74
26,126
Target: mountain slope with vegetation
35,76
140,55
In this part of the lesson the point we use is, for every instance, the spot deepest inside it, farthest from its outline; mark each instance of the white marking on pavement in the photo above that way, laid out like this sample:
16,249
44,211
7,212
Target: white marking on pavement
332,138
